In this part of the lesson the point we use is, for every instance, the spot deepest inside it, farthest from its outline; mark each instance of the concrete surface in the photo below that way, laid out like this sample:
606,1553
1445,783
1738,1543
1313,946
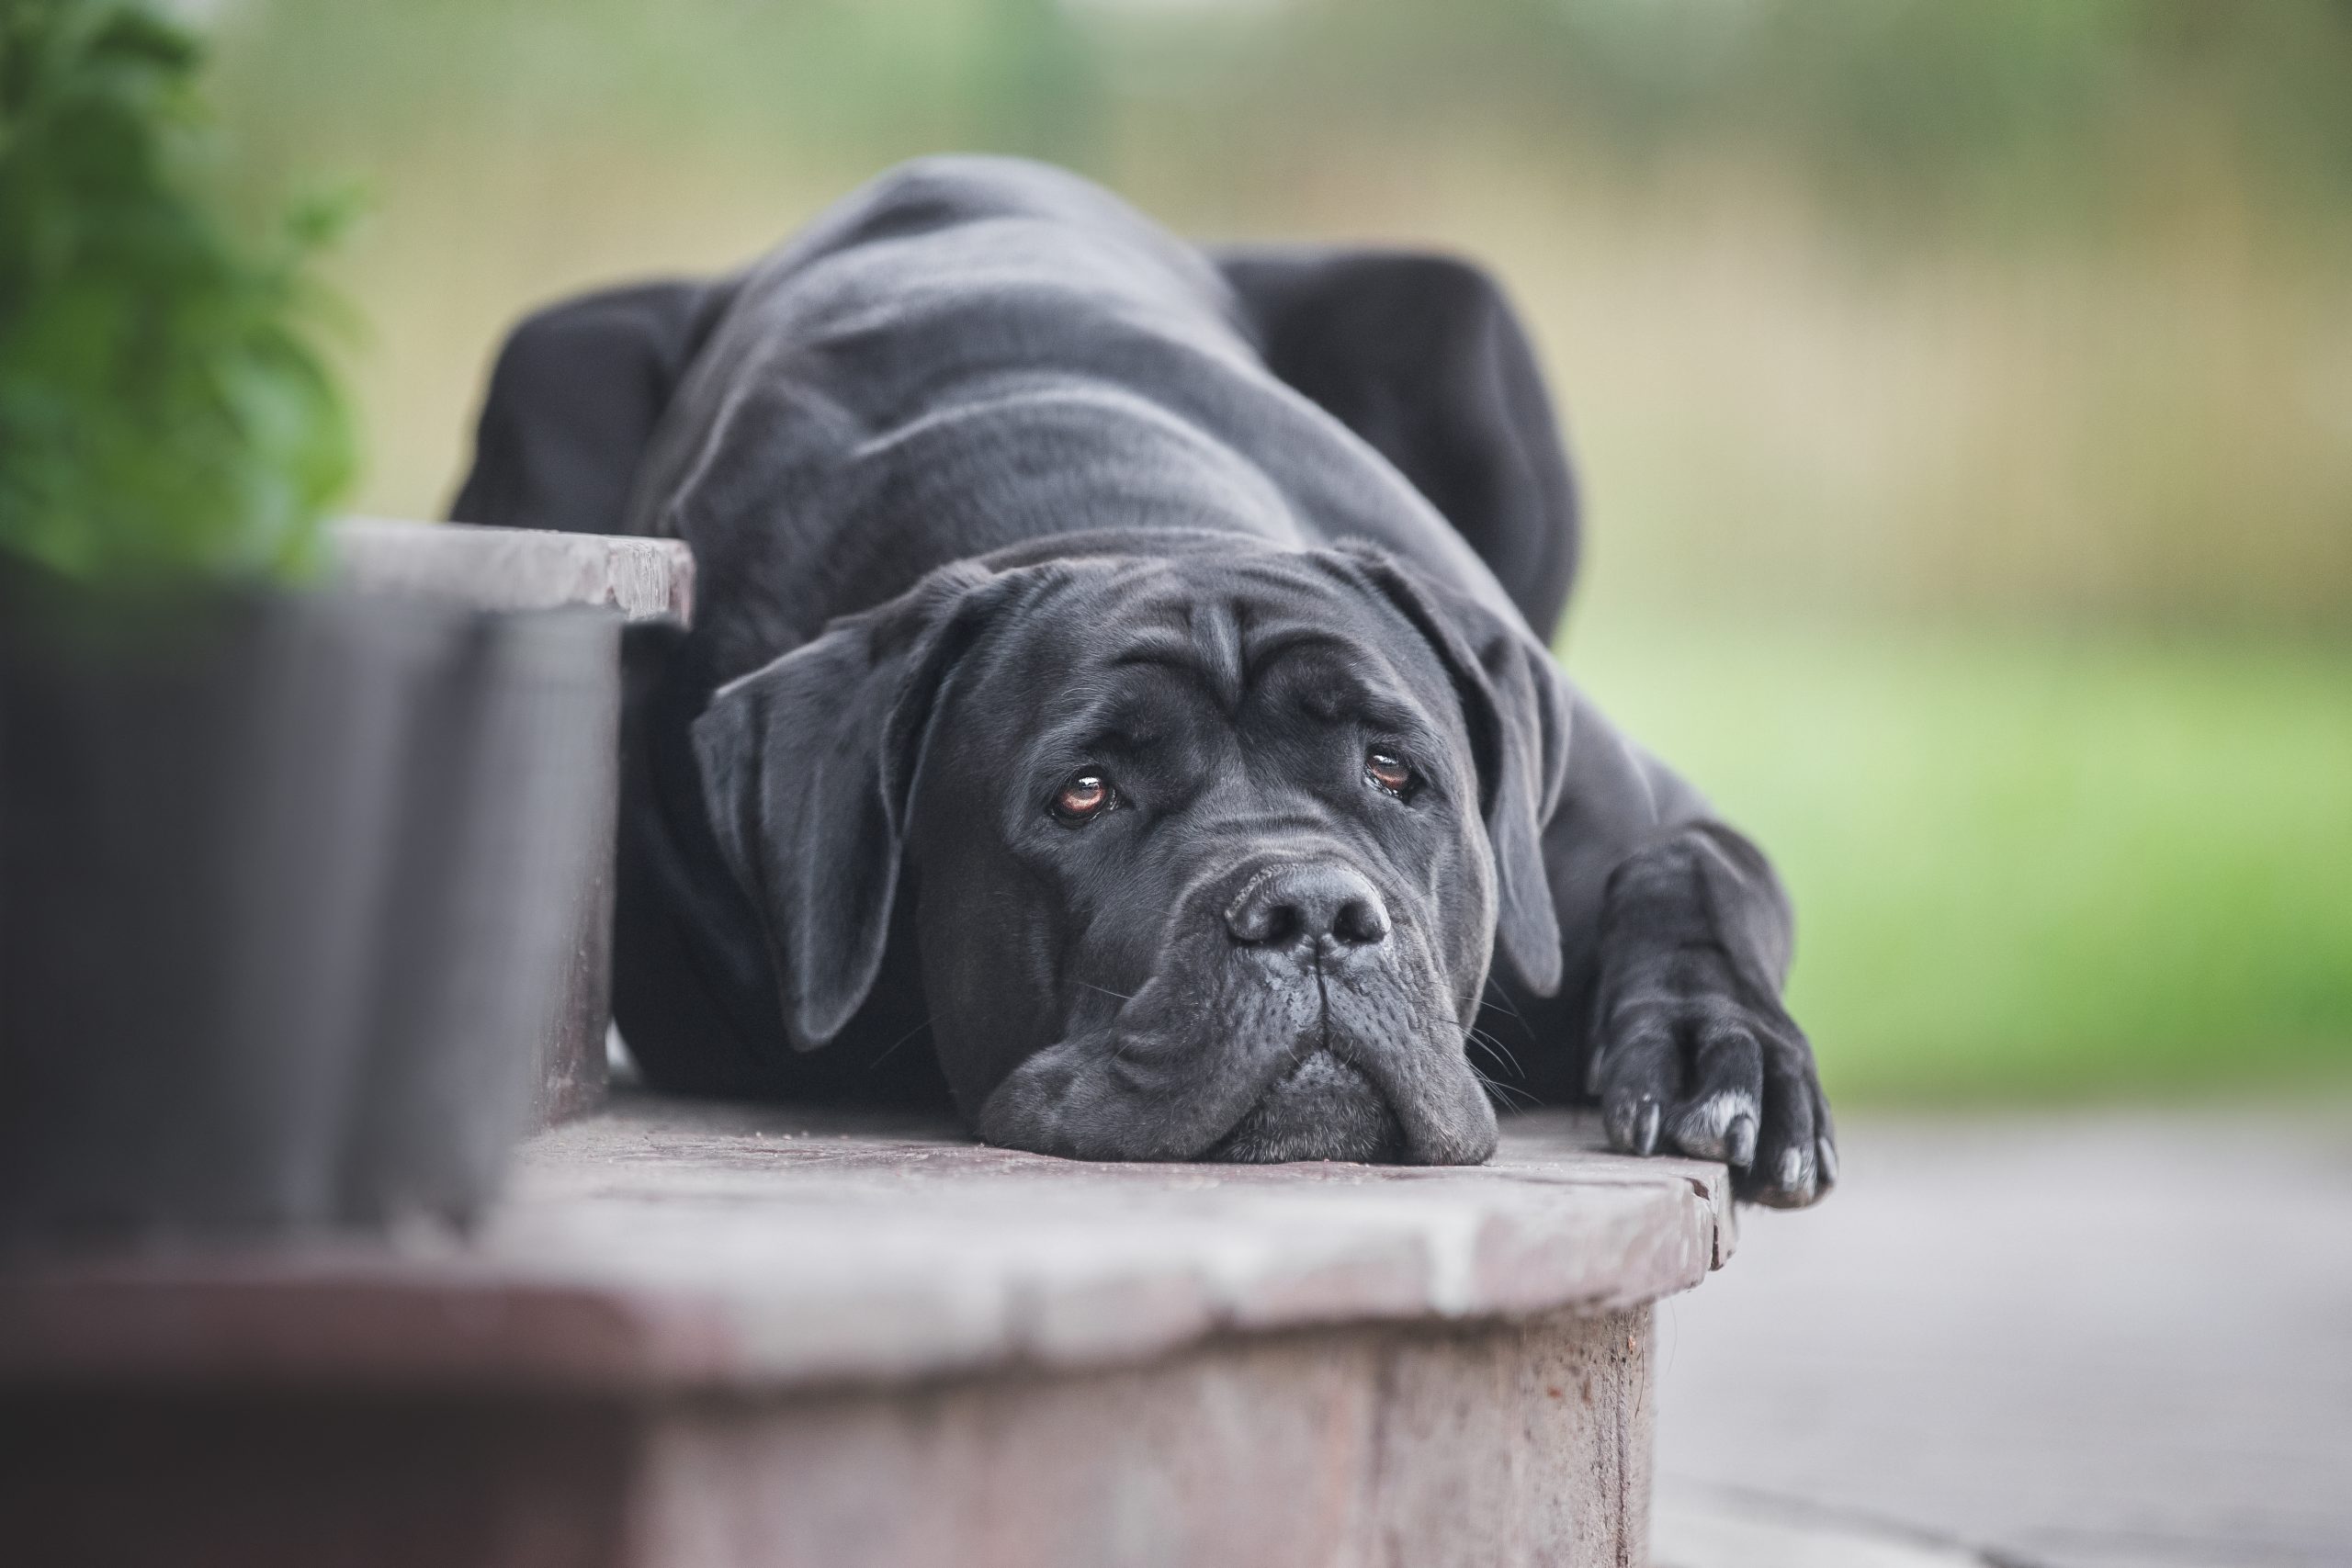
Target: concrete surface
666,1245
525,569
703,1337
2111,1341
1704,1527
517,568
1487,1446
1476,1446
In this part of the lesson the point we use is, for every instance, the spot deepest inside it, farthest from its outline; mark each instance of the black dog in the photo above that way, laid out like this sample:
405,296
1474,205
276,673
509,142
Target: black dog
1127,666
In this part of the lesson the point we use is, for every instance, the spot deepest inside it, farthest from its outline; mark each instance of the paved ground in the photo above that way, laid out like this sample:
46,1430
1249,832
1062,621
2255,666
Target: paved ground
2120,1341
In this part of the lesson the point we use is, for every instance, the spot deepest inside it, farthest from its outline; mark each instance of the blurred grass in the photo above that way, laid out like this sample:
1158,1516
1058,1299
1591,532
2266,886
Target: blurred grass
2028,864
2004,350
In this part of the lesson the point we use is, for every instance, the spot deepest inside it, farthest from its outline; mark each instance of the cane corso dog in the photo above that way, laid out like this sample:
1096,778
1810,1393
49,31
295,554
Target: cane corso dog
1119,702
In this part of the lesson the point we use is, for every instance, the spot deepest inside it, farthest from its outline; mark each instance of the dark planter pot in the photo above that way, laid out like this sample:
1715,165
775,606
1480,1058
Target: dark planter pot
285,883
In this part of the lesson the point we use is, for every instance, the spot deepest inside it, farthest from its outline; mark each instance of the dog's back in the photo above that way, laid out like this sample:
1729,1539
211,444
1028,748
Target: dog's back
973,353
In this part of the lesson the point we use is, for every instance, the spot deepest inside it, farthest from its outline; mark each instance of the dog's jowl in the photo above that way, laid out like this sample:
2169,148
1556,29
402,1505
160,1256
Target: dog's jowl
1119,702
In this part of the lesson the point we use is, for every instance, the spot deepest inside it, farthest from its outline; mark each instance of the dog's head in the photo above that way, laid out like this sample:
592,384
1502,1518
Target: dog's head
1208,853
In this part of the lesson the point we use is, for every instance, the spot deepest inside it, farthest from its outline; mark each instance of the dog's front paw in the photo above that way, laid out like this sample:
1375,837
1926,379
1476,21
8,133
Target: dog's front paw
1687,1059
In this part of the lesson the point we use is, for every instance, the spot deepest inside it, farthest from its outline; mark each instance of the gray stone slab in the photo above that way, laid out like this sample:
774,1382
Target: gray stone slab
714,1336
1497,1446
525,569
516,569
1491,1445
670,1246
2117,1340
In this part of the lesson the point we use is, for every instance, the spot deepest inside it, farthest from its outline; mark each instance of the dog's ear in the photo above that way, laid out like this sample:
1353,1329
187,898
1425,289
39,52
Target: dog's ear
573,401
1517,713
1423,356
807,768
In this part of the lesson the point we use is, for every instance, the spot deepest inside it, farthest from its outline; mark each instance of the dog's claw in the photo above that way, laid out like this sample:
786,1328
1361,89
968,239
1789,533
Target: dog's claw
1739,1141
1824,1153
1645,1132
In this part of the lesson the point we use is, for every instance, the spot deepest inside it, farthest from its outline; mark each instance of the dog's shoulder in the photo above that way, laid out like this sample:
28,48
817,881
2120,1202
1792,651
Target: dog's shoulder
965,352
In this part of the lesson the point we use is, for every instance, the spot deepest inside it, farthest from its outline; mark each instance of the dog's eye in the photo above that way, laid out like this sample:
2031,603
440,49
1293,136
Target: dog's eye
1084,796
1388,771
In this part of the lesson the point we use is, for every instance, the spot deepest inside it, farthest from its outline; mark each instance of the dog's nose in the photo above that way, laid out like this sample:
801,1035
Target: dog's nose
1286,904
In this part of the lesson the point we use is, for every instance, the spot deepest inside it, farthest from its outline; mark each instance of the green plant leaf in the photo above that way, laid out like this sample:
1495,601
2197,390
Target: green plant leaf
162,412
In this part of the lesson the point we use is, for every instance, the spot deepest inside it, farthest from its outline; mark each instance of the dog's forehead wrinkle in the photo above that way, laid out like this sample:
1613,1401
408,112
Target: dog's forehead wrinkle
1229,624
1128,707
1215,622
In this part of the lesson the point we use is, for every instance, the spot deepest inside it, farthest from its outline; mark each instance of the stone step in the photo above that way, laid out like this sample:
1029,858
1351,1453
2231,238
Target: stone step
528,568
737,1337
516,569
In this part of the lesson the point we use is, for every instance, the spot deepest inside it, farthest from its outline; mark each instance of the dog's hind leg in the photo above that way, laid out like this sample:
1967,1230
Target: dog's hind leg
573,404
1422,355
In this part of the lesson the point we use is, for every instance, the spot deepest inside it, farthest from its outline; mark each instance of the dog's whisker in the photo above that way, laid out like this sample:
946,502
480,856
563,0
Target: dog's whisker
1502,1005
1476,1038
1500,1053
1471,1032
884,1054
1508,1097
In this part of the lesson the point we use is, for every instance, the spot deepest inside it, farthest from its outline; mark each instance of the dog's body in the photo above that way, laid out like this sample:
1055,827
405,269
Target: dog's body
1129,672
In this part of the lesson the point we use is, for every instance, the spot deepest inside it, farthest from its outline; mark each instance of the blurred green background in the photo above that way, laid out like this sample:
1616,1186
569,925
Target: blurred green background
1963,394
